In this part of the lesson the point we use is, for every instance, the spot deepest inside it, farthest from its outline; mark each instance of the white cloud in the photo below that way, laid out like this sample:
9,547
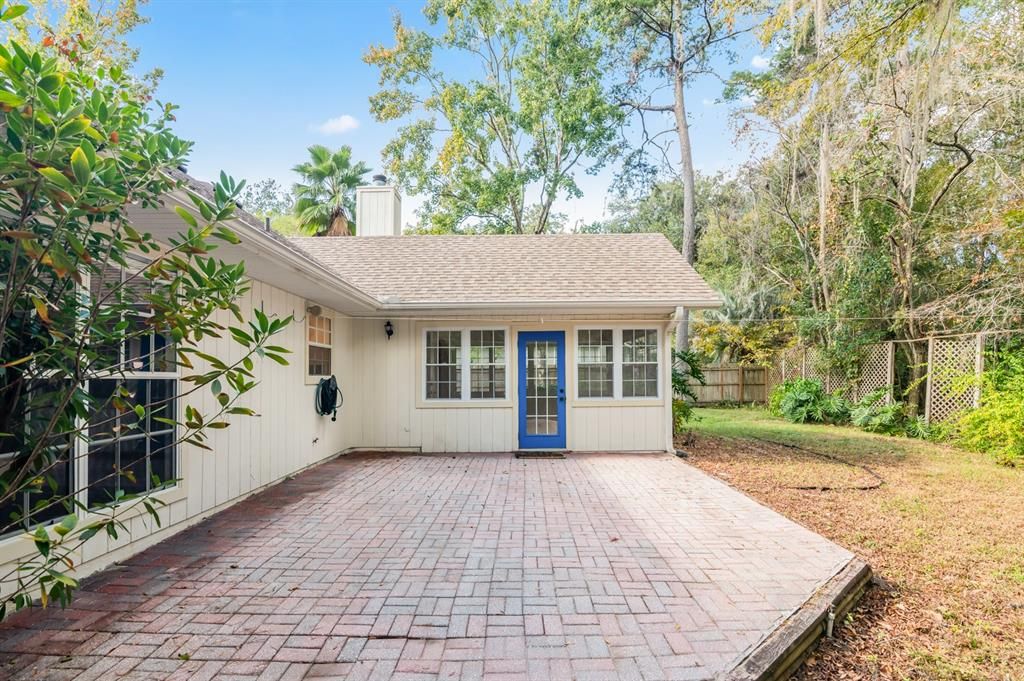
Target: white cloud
760,62
708,102
338,125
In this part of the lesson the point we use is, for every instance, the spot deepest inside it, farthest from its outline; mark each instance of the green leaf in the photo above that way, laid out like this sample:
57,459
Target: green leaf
66,525
56,177
64,99
51,82
186,216
140,411
74,127
80,166
42,541
10,99
13,12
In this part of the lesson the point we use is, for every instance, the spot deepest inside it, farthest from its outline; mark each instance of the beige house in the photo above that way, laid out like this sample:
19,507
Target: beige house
438,344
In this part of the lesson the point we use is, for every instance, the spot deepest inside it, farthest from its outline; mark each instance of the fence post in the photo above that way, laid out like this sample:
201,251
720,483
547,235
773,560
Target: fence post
890,374
743,395
979,368
928,382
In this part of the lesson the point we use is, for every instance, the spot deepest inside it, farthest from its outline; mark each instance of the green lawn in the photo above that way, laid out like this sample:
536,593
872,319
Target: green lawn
945,528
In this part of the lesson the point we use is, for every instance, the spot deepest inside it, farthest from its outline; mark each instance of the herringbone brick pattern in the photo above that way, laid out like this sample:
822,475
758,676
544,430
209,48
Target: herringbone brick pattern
595,567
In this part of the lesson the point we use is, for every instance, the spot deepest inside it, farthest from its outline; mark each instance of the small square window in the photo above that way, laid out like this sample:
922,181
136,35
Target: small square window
319,337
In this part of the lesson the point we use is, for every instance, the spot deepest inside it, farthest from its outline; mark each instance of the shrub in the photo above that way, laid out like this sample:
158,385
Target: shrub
81,286
685,368
875,415
996,427
803,400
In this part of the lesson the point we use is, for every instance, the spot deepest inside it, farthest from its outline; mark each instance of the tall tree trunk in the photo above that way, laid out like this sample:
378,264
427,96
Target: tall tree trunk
339,226
820,11
689,235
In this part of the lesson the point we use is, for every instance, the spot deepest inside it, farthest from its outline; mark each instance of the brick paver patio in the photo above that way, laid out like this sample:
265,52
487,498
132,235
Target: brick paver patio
598,566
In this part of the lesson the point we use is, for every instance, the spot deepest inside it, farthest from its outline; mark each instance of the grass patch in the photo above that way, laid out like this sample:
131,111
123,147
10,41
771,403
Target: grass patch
944,528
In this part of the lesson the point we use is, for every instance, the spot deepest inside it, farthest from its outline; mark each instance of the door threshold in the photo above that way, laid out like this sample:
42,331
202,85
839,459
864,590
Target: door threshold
540,454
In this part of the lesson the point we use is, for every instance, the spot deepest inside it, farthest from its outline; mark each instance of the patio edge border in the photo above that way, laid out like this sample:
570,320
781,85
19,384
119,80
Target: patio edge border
786,648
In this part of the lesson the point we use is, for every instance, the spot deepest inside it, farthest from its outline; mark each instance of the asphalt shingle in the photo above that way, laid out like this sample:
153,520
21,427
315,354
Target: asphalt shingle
544,268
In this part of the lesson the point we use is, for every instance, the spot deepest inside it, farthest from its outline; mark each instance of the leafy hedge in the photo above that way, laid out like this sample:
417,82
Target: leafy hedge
996,427
803,400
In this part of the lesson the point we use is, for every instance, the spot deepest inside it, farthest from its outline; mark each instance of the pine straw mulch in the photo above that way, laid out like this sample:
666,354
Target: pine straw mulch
942,529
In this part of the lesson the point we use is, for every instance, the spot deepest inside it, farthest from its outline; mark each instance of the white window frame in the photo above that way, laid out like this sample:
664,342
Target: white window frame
83,445
306,343
465,366
617,373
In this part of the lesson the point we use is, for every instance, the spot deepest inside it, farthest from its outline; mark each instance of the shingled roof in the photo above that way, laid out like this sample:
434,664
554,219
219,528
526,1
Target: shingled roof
514,269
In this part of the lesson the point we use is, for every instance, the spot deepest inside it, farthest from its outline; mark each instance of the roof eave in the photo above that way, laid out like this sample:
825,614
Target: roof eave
257,241
647,305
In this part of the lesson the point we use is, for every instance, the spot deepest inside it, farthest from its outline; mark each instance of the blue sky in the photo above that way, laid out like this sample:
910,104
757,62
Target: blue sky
258,81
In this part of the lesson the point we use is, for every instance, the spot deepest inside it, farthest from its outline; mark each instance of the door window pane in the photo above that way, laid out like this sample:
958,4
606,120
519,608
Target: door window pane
542,388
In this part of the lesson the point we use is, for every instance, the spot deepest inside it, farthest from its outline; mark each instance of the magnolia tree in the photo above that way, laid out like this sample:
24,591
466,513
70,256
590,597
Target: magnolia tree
99,323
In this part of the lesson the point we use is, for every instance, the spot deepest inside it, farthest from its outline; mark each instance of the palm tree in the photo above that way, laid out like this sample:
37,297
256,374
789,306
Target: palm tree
325,196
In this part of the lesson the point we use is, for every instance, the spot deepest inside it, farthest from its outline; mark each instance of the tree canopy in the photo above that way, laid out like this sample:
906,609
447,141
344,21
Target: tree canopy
325,202
493,145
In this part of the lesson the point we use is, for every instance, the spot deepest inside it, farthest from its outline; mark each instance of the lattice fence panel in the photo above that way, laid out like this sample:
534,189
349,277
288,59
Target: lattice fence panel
804,362
788,364
951,360
876,371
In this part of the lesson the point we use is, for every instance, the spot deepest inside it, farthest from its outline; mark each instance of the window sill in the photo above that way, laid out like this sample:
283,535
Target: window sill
20,546
464,404
621,402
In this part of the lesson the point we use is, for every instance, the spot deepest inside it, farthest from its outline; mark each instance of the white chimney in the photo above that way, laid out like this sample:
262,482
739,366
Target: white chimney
378,209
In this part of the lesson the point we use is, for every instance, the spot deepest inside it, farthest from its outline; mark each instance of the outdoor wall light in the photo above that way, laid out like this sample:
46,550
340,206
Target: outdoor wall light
389,329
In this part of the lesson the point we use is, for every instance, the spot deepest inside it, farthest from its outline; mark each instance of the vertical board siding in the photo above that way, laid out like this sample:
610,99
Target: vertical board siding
252,452
381,382
388,381
617,427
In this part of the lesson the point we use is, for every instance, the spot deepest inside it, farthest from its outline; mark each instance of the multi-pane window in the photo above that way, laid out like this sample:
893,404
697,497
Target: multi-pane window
617,363
127,454
639,363
319,338
49,494
465,364
444,365
595,363
487,364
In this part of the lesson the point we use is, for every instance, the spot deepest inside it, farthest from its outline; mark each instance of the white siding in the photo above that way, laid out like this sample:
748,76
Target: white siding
387,382
382,382
250,454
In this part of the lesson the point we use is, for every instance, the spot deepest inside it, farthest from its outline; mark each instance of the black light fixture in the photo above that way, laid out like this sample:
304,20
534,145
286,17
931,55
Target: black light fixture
389,329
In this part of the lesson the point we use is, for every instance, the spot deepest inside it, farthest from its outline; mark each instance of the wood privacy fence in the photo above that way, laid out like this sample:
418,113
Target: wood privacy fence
737,383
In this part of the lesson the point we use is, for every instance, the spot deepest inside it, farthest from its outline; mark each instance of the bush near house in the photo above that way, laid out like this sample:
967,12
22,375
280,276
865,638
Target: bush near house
685,370
82,288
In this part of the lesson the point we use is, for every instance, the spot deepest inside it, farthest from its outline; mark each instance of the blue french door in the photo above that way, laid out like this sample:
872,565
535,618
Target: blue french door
541,389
